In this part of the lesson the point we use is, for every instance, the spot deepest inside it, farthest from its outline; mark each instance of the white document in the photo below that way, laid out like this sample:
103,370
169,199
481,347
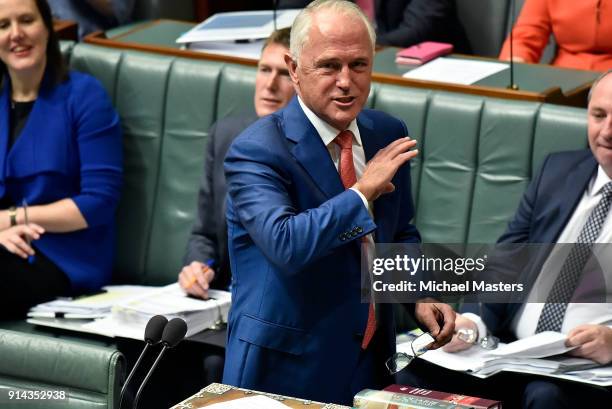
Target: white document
251,49
252,402
456,71
240,25
94,306
540,345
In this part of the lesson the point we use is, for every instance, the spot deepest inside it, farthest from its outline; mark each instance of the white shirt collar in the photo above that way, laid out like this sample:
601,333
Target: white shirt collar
327,132
600,181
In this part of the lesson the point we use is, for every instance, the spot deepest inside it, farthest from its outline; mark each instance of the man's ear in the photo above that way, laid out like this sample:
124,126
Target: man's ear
292,67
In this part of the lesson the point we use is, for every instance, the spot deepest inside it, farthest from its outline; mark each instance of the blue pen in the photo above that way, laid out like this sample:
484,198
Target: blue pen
31,258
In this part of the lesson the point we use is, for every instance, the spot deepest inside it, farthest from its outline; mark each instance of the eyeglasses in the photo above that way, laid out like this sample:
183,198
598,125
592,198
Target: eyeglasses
401,360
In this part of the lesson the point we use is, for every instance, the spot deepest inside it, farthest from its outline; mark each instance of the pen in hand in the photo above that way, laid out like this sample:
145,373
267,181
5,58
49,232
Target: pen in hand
208,264
24,204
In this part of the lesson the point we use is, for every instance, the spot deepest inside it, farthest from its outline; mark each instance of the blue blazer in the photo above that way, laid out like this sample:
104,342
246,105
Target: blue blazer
545,209
70,147
297,322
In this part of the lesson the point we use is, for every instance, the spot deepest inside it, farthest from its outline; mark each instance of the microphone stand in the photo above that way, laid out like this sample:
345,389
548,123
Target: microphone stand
512,85
129,378
146,379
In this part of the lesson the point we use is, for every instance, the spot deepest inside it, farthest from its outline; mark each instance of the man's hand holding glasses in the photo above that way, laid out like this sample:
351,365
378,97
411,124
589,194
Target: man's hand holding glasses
438,318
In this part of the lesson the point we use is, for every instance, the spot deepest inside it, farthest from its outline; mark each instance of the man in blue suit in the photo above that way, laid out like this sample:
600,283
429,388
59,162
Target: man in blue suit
570,196
307,186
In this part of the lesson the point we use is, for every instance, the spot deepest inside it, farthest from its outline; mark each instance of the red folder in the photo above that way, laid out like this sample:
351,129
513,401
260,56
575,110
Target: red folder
421,53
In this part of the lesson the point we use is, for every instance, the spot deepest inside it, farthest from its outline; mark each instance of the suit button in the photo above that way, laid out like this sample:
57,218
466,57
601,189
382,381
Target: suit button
342,237
359,230
353,234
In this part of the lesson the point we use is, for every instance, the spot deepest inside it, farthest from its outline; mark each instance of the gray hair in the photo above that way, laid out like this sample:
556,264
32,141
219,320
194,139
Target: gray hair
601,77
302,23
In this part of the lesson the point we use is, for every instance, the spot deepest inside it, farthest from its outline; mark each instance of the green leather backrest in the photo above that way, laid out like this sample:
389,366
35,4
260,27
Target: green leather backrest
189,113
236,91
90,374
477,156
410,105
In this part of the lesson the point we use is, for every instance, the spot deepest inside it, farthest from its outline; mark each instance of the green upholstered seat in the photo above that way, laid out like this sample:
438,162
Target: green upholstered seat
90,375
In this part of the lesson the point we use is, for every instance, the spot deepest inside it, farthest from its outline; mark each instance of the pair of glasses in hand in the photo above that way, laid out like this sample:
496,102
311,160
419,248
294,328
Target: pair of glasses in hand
401,360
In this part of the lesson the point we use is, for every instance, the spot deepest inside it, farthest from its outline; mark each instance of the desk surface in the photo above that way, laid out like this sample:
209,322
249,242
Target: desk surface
537,82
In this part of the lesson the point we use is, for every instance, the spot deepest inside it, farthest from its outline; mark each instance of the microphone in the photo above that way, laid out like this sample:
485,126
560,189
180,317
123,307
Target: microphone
512,85
173,334
153,334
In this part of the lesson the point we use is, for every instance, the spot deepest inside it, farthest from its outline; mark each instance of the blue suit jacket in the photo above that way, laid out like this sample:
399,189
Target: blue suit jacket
545,209
296,322
70,147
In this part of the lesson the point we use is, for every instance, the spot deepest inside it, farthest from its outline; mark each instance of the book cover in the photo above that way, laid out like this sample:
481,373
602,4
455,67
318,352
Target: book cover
423,52
462,400
374,399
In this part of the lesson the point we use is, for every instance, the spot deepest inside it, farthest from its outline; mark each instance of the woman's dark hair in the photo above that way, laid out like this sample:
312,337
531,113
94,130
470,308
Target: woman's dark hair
55,71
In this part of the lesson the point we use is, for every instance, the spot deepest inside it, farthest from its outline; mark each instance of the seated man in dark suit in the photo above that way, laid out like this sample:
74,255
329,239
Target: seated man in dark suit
567,202
208,240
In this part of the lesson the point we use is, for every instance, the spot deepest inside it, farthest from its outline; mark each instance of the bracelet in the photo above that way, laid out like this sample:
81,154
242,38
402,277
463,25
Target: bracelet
12,212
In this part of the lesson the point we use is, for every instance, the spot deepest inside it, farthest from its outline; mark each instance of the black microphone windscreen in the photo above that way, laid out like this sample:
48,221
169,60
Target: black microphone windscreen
174,332
155,329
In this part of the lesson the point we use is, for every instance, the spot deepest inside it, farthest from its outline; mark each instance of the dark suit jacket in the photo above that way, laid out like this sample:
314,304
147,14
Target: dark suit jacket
545,209
208,239
403,23
297,320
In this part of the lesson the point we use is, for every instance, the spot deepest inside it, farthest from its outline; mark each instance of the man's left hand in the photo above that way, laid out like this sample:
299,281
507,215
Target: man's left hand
594,342
439,318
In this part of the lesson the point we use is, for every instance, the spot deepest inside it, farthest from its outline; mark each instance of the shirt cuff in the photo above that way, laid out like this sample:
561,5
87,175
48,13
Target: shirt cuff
482,328
363,198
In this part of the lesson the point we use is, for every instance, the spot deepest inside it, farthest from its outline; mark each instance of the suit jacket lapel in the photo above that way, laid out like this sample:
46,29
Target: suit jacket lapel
573,189
310,151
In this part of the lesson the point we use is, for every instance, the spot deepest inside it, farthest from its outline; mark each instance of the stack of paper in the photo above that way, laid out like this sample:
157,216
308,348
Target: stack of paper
129,318
539,355
94,306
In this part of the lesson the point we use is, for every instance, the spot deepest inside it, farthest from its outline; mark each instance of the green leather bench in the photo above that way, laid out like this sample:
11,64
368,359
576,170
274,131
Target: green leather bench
89,375
476,157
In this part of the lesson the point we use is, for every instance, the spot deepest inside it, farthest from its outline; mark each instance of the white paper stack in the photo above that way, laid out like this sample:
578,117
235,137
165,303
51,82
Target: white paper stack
129,318
89,307
539,354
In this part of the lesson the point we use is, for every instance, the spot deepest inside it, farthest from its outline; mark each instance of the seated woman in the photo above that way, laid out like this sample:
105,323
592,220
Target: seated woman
582,31
60,167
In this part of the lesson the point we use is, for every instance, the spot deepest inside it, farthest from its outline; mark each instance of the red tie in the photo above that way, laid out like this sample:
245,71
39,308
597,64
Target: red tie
367,6
348,176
